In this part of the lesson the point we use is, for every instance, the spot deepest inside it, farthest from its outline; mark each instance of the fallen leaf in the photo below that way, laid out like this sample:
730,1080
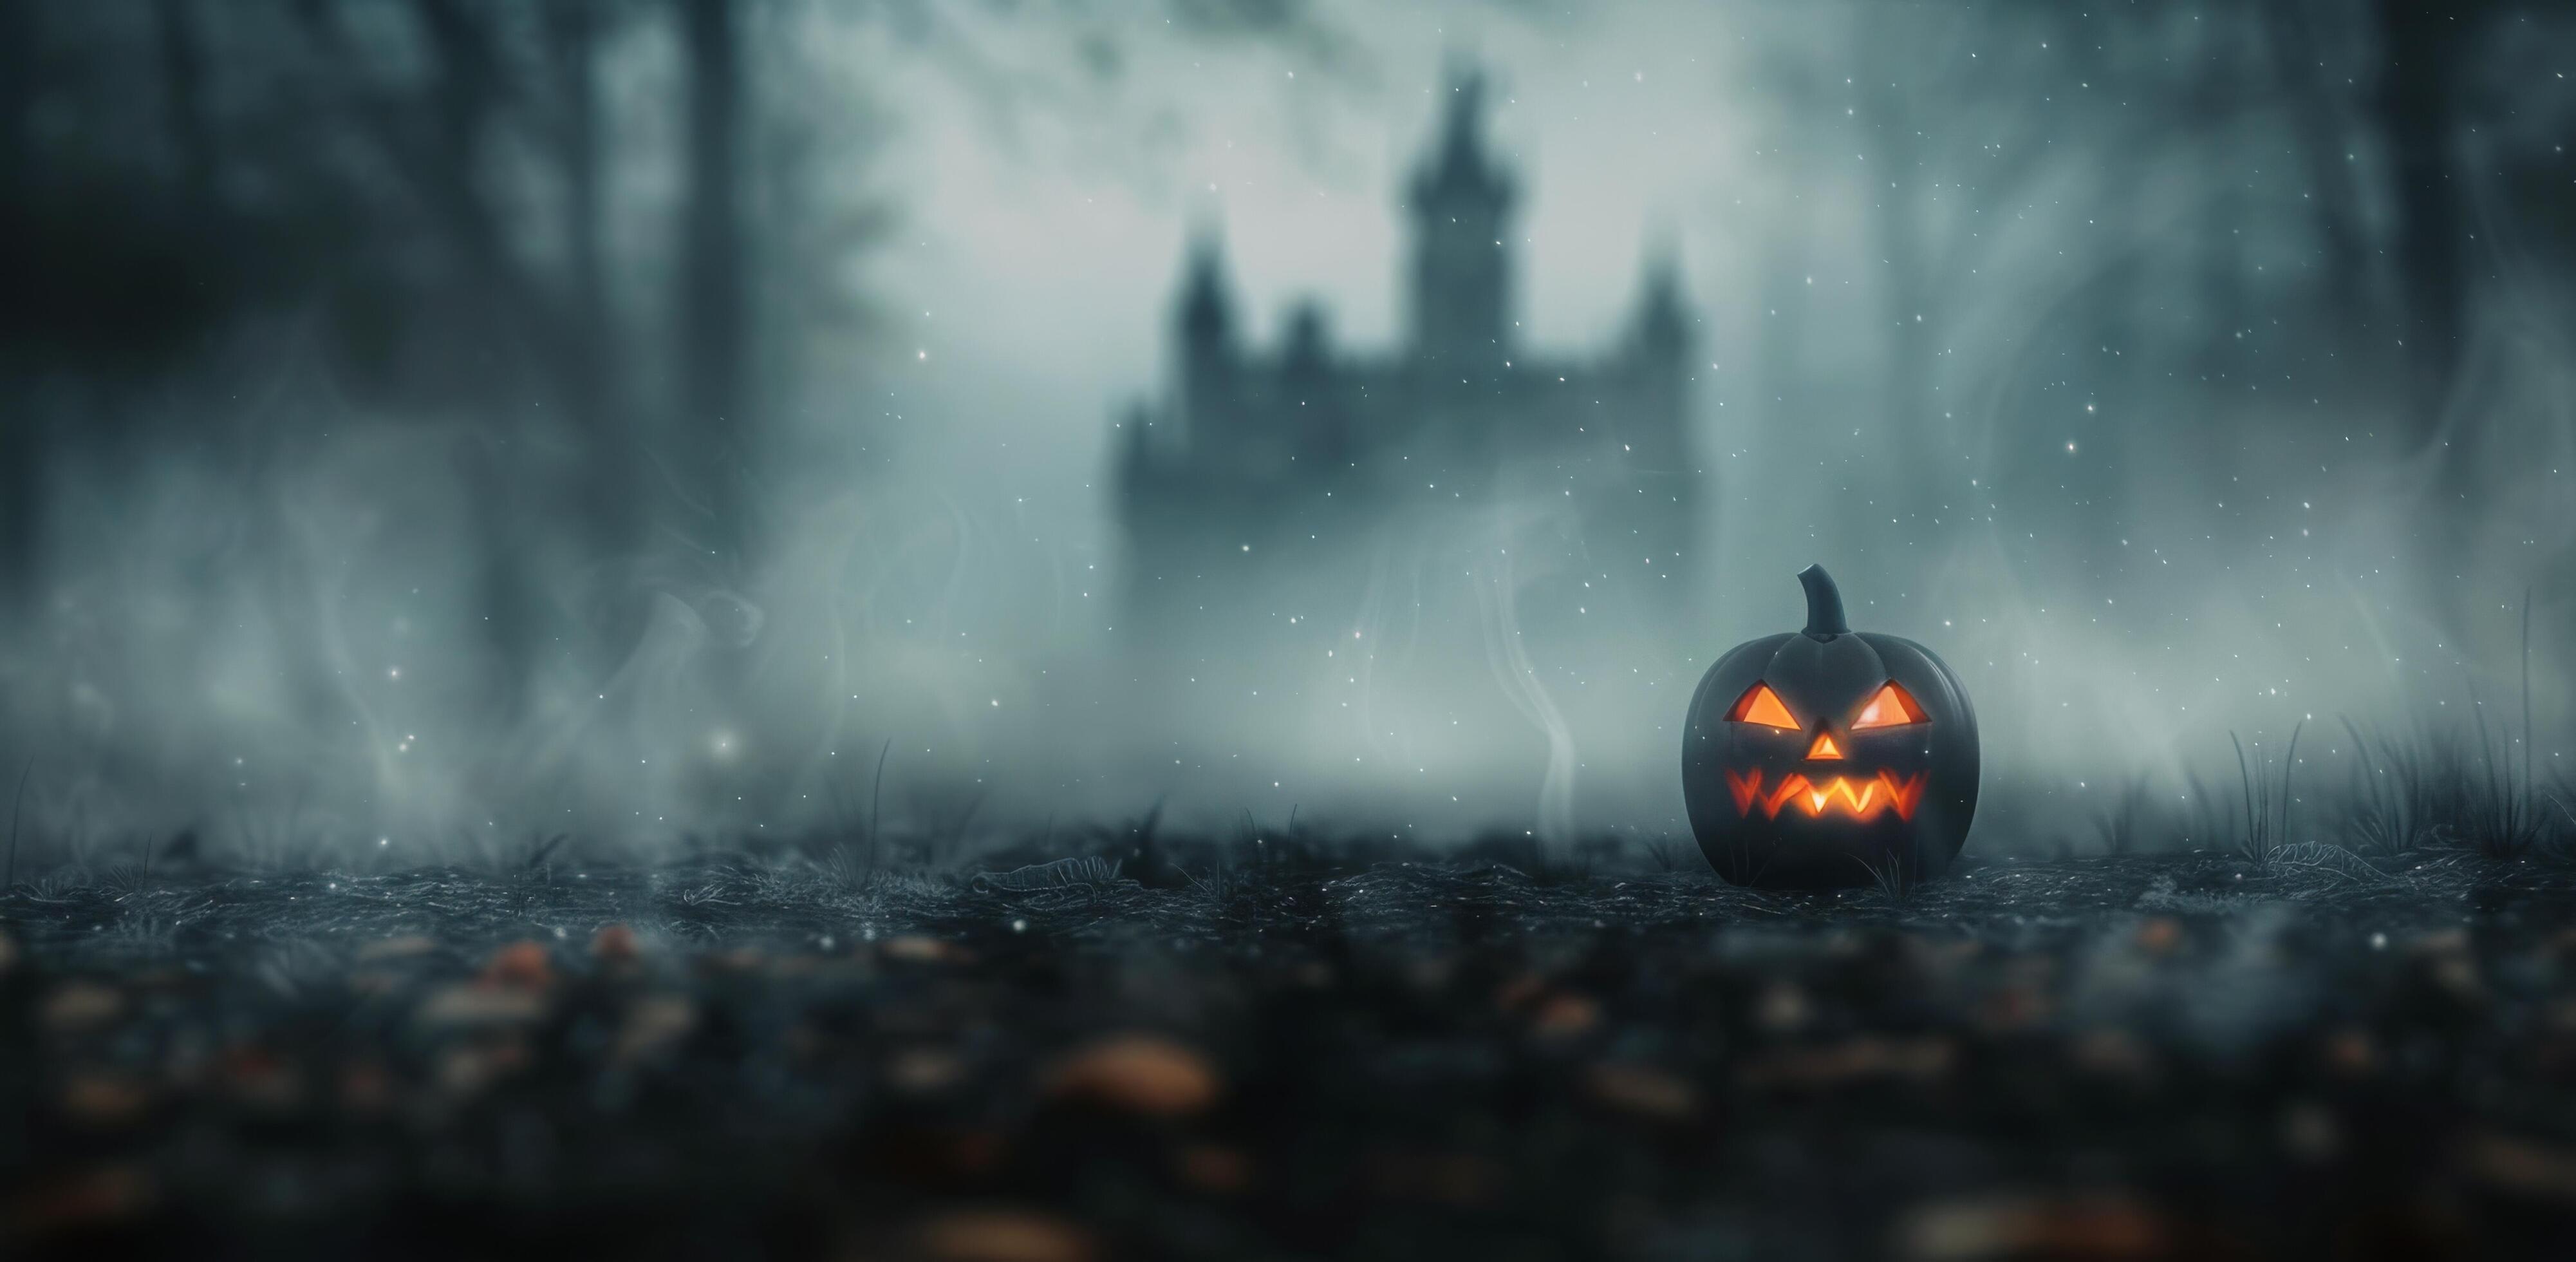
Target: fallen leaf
1783,1009
1565,1015
1918,1059
521,965
397,948
462,1005
1644,1092
2525,1167
2023,1226
2112,1052
1215,1168
83,1198
77,1007
653,1023
924,1070
1003,1235
2160,935
914,949
2352,1052
1139,1073
101,1098
615,947
365,1088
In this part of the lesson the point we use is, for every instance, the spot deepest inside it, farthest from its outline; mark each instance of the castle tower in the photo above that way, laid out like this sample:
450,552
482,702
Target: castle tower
1204,324
1461,273
1663,324
1657,362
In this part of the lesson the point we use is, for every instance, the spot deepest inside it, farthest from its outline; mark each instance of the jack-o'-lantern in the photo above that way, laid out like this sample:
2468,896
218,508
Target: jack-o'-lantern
1828,757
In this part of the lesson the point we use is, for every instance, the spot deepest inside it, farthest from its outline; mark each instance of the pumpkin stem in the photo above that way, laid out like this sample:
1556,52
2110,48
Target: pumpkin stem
1824,604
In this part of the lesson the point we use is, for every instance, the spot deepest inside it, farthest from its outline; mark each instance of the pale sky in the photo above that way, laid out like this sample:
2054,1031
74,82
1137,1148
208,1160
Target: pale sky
1042,239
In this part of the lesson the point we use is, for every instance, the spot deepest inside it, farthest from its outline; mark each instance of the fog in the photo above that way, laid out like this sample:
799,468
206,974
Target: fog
427,424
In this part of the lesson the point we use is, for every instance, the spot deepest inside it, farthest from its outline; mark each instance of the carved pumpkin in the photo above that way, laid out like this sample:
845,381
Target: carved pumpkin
1829,757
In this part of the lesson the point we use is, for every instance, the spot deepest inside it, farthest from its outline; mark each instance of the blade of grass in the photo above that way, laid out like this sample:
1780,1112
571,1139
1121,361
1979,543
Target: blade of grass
20,799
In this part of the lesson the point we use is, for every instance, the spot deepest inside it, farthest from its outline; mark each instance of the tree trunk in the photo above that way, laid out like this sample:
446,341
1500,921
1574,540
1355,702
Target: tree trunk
21,451
2418,116
1913,478
607,494
183,77
2349,278
713,315
464,100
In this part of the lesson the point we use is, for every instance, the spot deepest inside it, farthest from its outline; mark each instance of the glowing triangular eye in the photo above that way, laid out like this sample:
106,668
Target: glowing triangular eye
1760,705
1891,707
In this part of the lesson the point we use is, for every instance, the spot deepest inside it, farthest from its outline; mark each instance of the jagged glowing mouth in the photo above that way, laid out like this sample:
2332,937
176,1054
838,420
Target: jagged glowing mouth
1860,798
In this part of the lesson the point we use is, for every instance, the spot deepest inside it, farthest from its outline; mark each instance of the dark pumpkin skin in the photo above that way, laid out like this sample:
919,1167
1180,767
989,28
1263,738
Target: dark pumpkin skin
1825,675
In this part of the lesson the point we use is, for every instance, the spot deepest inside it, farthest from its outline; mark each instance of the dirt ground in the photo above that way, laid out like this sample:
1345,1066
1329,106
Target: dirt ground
2170,1056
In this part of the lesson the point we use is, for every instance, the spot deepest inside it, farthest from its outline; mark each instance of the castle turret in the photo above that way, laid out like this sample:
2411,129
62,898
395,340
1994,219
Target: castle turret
1663,325
1461,277
1658,361
1312,394
1205,324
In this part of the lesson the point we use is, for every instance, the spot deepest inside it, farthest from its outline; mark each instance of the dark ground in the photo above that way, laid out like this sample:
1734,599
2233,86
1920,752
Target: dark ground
2194,1055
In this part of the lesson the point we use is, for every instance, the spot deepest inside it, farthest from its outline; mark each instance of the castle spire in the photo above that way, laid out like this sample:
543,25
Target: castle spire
1206,307
1663,320
1205,317
1461,270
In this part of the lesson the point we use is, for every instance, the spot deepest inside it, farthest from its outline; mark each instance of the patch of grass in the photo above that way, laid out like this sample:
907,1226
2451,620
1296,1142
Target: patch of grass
2384,807
2261,835
1667,853
17,802
2126,819
2499,818
1893,881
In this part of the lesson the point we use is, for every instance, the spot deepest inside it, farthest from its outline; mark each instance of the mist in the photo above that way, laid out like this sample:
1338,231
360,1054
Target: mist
428,424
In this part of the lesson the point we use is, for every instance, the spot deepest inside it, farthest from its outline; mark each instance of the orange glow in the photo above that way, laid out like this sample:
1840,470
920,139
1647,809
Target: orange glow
1853,796
1760,705
1824,748
1890,707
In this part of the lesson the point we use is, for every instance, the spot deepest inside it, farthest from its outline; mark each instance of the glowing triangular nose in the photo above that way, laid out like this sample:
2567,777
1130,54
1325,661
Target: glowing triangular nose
1824,747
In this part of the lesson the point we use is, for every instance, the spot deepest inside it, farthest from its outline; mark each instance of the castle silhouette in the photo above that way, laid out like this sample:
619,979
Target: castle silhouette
1262,481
